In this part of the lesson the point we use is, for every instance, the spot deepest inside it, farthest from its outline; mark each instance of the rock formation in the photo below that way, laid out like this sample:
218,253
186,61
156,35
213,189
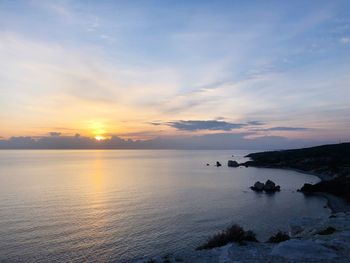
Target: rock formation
269,186
231,163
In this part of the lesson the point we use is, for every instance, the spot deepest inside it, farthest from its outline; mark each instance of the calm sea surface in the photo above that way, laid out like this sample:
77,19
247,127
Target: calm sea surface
116,206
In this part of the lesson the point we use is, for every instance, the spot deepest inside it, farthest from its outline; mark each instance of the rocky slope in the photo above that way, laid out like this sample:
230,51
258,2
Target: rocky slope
312,240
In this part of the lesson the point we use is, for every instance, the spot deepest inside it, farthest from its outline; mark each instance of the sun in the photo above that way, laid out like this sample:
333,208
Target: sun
99,137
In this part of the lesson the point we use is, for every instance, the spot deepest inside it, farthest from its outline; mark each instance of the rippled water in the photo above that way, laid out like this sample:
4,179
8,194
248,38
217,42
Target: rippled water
116,206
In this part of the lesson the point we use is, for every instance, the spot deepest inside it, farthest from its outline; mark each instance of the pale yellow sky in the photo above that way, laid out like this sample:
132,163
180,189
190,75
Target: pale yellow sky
88,72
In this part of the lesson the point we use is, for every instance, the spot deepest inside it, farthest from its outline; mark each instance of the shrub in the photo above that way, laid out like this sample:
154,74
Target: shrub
279,237
328,231
234,233
250,236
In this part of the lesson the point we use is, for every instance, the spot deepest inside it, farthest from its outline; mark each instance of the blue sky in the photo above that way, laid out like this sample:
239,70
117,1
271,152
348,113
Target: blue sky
143,69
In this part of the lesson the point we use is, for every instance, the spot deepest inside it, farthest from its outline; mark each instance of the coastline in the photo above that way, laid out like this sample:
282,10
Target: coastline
323,239
309,227
334,203
311,240
330,163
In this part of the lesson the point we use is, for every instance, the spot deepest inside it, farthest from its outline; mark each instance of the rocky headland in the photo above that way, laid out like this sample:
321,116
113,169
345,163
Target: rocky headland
331,163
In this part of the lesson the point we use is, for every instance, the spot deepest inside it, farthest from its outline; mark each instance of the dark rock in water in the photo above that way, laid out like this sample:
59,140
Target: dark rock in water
307,188
231,163
218,164
258,186
269,186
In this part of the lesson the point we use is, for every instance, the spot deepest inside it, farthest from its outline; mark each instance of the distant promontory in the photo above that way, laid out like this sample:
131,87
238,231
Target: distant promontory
331,163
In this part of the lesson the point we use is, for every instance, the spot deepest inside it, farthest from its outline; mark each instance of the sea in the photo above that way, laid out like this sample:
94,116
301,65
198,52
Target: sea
124,205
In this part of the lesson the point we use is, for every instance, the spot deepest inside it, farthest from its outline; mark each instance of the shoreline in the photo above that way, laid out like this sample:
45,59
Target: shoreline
310,240
334,203
232,251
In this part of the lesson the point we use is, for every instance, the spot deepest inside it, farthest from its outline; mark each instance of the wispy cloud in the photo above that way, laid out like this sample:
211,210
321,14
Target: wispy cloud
255,123
55,134
214,125
345,40
107,62
217,124
288,129
284,129
60,8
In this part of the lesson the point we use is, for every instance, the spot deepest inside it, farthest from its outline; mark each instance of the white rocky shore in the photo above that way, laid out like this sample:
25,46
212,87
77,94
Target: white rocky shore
307,244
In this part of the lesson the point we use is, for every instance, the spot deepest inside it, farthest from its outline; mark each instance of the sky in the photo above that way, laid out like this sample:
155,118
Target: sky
180,72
